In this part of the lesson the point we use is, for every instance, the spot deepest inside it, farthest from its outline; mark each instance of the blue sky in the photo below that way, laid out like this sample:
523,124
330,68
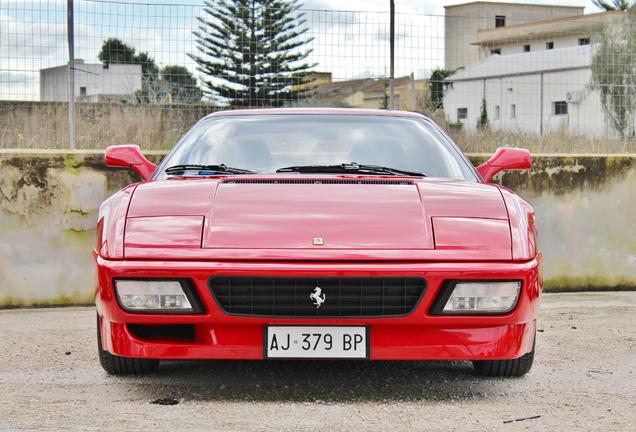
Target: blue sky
348,44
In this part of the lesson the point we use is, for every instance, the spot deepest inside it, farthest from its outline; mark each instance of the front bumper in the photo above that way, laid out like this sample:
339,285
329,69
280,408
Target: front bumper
417,336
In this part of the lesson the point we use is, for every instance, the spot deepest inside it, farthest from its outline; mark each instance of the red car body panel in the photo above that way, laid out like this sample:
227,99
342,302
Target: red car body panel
437,229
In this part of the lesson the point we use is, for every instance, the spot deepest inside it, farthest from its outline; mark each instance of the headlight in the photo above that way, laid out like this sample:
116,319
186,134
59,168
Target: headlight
148,295
482,297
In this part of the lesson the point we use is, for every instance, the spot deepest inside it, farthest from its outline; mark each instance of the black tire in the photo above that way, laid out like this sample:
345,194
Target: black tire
116,365
505,368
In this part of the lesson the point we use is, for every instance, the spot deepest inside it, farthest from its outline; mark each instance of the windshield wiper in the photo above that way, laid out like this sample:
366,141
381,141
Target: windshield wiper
207,169
352,167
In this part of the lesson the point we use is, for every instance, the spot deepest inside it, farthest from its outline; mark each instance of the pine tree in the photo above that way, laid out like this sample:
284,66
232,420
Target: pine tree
252,52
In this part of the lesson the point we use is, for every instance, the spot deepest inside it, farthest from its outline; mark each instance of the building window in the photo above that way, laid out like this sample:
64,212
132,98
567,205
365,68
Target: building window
497,112
82,91
560,107
549,45
526,48
584,41
462,113
500,21
495,51
513,111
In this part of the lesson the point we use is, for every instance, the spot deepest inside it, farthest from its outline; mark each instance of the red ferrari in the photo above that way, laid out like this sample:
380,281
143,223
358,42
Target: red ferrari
316,234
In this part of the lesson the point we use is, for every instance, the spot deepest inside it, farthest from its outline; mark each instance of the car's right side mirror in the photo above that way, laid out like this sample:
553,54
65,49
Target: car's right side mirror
129,156
505,158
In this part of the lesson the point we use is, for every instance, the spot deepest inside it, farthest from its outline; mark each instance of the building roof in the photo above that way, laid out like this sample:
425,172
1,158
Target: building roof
514,4
338,89
578,57
552,27
80,63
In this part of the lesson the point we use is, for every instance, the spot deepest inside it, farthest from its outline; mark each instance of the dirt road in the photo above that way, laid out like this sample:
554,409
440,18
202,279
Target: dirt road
584,378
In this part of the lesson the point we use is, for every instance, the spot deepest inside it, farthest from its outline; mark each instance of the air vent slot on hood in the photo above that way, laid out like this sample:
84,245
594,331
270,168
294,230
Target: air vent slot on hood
319,181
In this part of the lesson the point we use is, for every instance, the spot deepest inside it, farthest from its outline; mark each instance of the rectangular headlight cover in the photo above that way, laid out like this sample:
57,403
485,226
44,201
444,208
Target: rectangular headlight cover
483,297
149,295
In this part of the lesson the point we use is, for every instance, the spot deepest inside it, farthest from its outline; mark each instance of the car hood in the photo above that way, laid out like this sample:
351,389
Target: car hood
305,217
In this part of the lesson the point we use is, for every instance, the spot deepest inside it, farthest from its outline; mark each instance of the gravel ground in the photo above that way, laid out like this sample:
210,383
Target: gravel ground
584,378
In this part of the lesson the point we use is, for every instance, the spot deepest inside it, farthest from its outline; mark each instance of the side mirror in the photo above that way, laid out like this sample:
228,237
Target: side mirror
129,156
505,158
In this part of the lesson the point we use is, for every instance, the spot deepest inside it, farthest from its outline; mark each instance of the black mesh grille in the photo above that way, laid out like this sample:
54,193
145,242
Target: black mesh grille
343,297
319,181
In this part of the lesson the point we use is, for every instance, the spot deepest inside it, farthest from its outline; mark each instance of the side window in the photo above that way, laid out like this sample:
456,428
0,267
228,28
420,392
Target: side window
559,108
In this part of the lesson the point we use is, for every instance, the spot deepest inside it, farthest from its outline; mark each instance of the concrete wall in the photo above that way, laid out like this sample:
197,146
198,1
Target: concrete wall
45,124
49,202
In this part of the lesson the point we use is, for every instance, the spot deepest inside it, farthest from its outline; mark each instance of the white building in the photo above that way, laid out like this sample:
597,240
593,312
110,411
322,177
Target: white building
535,92
93,82
462,23
541,35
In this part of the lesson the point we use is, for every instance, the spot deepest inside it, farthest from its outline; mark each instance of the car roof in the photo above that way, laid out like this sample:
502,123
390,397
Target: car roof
323,111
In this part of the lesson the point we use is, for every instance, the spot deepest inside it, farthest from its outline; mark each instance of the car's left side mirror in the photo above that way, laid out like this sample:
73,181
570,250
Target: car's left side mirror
129,156
505,158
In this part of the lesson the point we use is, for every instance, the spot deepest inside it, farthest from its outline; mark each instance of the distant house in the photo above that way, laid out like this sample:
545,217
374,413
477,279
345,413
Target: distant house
93,82
464,24
311,80
535,92
371,93
534,77
541,35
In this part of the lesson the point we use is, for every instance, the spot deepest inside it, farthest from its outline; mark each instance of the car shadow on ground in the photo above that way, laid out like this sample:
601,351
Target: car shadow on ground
311,381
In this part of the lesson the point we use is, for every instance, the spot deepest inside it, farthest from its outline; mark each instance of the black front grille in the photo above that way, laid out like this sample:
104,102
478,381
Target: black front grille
343,297
319,181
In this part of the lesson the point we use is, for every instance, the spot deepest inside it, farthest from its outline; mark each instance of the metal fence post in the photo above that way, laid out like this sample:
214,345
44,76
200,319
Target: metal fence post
71,74
392,50
413,93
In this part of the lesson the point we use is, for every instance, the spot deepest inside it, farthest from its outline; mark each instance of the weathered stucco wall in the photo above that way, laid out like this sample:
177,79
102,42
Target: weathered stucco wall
586,217
586,214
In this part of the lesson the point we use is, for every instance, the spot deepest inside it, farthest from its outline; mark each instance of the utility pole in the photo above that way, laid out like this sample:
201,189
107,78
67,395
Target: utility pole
71,73
392,42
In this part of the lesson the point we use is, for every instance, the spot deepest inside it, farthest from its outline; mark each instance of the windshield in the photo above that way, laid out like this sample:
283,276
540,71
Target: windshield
266,143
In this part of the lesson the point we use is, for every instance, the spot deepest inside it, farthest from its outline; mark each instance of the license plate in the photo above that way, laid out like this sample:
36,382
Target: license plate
316,342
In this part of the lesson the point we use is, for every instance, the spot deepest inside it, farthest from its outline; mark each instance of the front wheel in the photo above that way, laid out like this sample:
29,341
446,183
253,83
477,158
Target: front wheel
116,365
505,368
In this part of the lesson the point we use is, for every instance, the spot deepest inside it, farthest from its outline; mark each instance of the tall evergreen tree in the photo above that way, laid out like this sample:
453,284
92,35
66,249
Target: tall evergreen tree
252,52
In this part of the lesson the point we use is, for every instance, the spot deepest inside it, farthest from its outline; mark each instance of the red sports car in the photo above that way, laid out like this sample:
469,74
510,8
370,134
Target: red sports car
316,234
